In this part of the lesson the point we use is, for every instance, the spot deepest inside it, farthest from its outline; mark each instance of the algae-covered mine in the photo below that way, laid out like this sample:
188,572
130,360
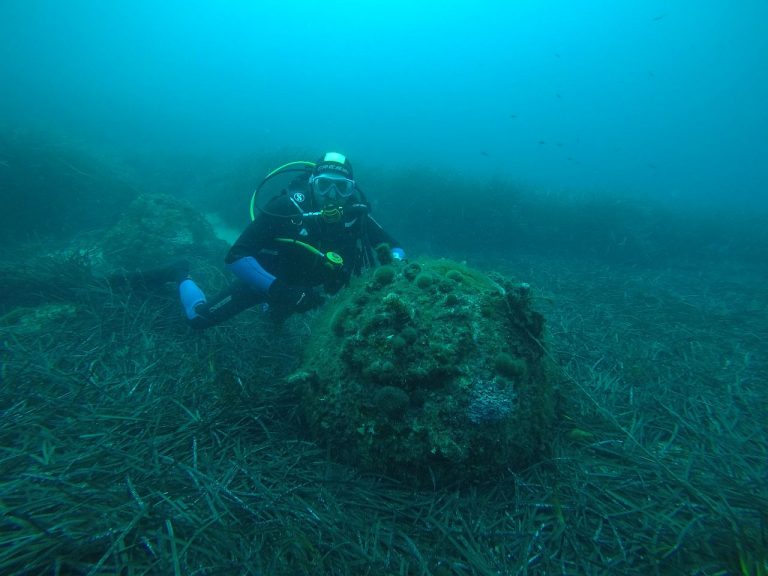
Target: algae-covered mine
429,371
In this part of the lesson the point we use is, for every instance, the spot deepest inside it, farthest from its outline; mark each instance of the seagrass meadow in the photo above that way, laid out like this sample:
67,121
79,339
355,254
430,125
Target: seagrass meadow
131,445
566,373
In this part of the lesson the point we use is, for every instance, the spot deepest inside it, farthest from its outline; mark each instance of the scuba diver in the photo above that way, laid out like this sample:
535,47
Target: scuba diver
304,243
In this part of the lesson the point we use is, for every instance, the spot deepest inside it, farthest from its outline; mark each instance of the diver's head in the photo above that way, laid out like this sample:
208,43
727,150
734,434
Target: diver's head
332,181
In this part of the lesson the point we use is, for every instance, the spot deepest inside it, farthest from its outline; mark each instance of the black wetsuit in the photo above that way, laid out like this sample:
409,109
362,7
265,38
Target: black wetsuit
268,240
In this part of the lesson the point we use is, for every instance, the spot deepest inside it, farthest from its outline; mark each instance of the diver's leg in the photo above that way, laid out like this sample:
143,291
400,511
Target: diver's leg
202,313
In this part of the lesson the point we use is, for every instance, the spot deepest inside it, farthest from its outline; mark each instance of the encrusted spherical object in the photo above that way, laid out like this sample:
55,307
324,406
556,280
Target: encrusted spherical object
424,381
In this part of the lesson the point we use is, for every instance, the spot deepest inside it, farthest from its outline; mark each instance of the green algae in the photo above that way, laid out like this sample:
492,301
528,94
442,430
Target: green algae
437,373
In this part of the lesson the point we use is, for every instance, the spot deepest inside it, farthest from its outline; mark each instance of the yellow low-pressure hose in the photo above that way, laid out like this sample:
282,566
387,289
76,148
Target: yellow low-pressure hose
330,259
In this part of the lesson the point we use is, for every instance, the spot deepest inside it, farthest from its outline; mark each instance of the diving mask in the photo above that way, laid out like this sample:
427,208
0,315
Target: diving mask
330,185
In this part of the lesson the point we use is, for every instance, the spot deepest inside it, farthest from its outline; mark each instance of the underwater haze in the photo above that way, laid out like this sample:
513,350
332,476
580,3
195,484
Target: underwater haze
566,375
653,99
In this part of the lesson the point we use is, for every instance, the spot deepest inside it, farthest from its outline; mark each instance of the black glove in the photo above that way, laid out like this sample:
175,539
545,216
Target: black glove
288,299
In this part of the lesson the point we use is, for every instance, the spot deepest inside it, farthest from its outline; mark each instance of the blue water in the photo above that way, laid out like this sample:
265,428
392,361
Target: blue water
653,99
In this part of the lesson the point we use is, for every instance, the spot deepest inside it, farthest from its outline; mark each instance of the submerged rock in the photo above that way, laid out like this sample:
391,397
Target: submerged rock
36,320
428,371
157,229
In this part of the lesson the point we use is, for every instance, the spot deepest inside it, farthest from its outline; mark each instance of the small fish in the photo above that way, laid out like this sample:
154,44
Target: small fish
660,17
484,153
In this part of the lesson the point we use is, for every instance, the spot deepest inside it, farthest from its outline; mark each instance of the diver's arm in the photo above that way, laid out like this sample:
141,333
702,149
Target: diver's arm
378,235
